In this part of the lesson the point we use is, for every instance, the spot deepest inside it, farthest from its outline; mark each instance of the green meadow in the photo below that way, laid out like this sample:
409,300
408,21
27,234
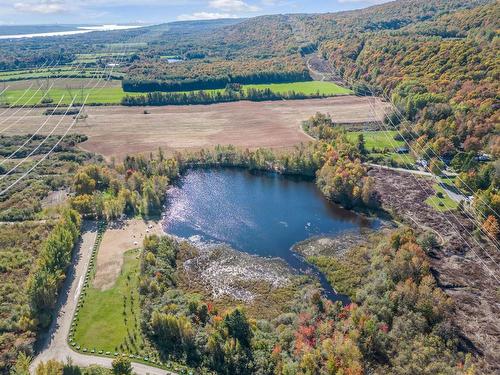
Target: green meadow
308,88
441,201
114,94
109,319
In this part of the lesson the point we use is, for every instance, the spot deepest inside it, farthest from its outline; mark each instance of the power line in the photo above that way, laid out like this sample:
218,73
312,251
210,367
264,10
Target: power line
418,182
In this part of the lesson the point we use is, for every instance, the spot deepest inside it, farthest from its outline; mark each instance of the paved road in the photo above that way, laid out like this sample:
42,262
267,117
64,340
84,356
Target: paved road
53,344
404,170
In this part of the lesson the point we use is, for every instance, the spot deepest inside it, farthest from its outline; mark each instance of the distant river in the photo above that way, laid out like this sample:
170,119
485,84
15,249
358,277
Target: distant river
79,30
259,213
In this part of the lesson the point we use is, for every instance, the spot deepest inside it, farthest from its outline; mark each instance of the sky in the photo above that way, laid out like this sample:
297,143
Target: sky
25,12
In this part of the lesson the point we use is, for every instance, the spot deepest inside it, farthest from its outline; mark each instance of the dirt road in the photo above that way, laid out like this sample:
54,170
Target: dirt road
117,131
53,345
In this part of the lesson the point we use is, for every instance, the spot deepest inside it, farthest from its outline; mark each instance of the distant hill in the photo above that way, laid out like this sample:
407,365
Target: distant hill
35,29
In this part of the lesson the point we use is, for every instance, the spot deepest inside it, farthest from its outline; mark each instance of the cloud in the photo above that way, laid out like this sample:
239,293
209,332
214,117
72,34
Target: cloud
42,7
204,16
364,1
233,6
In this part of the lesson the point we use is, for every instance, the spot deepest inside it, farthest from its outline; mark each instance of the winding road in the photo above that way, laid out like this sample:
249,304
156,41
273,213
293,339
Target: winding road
53,344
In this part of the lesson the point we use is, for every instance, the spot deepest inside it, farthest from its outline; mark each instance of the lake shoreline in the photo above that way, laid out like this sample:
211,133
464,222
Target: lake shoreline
206,228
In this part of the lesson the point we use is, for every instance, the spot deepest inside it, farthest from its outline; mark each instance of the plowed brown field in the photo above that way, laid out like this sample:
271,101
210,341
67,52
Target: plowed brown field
117,131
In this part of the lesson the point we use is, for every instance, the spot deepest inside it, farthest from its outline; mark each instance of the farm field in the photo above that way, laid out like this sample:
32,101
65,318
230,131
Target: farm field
309,88
242,124
15,75
112,93
98,95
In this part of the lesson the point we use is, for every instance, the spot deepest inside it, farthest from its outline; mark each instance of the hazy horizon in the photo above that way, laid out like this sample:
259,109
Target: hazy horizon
79,12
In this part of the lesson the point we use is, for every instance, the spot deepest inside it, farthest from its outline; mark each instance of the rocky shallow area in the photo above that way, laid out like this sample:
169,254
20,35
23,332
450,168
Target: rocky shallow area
225,272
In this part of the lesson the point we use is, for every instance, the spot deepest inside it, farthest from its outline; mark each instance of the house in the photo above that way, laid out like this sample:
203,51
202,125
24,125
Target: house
423,163
483,158
402,150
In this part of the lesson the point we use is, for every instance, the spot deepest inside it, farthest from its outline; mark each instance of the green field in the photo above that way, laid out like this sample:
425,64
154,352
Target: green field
109,320
44,73
377,140
93,57
114,95
441,204
381,144
308,88
104,95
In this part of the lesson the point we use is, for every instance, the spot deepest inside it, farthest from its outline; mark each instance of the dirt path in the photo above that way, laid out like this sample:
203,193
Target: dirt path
117,131
119,238
53,344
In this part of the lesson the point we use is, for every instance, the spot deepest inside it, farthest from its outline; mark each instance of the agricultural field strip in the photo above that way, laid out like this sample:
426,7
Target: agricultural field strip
57,143
3,161
73,68
244,124
9,172
114,95
23,96
34,94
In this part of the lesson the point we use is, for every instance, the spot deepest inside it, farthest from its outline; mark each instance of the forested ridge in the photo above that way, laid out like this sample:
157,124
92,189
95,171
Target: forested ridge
442,75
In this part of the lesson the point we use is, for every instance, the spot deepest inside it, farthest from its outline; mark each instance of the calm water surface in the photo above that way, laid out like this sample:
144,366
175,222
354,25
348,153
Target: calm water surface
262,214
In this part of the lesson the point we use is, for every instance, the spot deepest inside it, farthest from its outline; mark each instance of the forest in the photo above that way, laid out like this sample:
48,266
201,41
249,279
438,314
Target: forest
398,323
144,76
442,75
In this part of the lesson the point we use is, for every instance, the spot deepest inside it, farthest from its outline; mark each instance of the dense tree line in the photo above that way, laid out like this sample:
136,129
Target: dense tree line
189,76
102,193
49,273
207,97
20,245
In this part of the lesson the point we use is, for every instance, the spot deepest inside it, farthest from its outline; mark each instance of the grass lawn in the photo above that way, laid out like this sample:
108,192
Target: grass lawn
400,159
441,204
377,140
308,88
109,320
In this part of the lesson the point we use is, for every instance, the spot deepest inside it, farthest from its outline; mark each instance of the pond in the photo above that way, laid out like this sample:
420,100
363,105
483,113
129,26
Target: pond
259,213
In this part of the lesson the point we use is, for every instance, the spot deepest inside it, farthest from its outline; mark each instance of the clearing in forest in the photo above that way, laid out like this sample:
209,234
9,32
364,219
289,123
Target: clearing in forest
118,239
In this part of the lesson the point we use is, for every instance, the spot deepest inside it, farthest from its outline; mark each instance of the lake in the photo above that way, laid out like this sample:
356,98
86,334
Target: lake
77,30
259,213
